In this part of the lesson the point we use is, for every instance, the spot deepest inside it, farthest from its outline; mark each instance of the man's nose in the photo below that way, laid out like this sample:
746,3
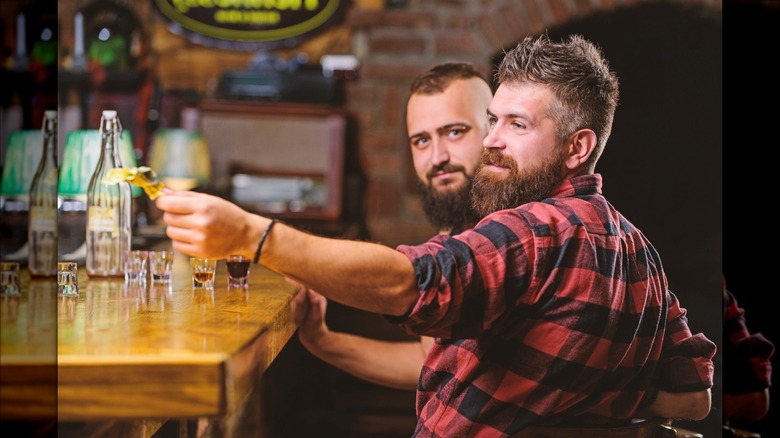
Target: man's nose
440,153
493,139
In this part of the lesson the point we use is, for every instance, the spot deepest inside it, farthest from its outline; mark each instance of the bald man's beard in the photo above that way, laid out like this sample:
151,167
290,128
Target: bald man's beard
491,192
451,209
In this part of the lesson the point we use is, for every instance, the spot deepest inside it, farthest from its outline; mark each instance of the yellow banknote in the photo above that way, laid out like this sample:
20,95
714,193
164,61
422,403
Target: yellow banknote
143,177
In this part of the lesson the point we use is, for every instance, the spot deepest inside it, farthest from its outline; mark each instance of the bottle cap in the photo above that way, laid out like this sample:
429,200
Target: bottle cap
109,114
50,114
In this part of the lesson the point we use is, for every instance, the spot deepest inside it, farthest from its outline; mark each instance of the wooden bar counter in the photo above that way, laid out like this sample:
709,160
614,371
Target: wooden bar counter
154,352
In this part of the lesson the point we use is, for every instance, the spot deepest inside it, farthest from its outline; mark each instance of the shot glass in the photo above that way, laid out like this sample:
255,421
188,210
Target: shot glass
161,264
203,272
9,278
237,271
136,262
67,279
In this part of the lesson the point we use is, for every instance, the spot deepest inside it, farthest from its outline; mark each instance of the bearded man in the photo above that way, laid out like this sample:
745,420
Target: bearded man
554,310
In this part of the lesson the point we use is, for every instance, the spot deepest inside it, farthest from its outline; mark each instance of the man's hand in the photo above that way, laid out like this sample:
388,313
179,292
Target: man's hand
310,308
203,225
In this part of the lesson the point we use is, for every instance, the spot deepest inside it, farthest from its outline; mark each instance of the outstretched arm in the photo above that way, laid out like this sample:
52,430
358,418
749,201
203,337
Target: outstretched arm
364,275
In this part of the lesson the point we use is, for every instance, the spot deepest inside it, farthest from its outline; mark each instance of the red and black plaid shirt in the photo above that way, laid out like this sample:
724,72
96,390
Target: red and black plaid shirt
555,312
747,356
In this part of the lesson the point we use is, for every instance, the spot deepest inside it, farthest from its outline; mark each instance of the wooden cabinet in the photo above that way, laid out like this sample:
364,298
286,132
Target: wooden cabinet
280,159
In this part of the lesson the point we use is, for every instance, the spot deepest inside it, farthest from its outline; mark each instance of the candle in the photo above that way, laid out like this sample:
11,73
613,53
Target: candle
20,35
78,49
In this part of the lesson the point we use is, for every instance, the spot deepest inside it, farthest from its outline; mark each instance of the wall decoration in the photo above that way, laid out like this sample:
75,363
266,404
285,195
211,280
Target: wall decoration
250,24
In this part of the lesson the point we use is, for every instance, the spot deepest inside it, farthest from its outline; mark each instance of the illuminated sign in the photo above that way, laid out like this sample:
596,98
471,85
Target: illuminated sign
249,24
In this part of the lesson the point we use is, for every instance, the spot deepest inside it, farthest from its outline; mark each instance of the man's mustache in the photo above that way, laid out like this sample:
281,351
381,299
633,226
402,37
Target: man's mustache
446,168
495,158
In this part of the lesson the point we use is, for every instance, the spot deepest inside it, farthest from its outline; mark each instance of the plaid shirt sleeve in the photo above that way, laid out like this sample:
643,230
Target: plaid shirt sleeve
676,372
746,356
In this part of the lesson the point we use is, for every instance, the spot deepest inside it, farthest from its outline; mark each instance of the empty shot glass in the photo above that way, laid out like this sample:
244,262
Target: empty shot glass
203,272
9,278
136,265
67,279
237,270
161,264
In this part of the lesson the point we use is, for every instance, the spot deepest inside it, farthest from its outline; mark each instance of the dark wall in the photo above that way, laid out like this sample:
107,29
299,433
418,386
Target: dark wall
662,163
750,123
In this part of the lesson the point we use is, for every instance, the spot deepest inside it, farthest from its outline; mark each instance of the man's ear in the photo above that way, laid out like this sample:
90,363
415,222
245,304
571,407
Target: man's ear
579,147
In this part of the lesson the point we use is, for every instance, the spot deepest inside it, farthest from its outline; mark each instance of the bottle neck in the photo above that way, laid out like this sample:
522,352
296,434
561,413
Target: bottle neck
110,130
50,140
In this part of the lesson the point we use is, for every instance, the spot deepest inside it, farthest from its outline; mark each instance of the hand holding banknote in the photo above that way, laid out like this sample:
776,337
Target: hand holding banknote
143,177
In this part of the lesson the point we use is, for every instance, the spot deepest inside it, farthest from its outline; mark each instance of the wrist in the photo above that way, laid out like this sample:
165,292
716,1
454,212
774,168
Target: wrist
316,339
261,242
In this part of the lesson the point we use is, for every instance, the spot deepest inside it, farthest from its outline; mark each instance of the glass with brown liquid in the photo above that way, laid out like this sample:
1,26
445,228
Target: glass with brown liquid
203,272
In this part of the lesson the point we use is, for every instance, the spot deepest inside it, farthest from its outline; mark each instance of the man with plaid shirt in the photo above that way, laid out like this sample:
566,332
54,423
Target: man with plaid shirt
553,310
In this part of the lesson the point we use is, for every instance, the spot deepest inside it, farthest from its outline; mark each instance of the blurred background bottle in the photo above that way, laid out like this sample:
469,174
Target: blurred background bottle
109,207
42,229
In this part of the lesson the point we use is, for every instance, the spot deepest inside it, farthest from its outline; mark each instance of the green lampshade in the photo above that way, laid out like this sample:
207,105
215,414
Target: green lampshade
180,158
82,152
21,161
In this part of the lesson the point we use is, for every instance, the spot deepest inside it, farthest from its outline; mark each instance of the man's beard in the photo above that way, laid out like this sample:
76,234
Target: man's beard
491,192
451,209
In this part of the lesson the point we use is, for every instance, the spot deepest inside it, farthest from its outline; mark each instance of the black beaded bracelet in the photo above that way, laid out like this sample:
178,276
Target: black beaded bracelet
262,240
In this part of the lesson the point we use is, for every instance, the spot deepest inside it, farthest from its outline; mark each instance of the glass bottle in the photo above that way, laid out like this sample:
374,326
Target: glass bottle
109,207
42,229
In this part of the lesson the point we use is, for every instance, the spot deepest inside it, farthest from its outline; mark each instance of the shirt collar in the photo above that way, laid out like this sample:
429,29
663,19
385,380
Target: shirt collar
579,186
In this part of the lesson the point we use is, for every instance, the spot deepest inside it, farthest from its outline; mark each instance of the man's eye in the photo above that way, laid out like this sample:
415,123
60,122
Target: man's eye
455,132
420,143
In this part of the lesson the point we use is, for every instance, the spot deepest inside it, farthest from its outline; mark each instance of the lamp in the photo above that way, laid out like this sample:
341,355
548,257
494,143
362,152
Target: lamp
79,159
181,158
21,160
22,155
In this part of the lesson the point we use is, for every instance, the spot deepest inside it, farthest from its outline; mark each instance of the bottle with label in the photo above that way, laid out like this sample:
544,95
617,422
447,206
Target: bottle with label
109,207
42,229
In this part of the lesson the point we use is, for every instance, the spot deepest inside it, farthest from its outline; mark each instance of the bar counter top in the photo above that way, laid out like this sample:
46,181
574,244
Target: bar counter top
129,351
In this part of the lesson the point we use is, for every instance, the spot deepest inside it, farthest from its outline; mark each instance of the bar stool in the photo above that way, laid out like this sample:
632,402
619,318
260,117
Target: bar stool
685,433
735,432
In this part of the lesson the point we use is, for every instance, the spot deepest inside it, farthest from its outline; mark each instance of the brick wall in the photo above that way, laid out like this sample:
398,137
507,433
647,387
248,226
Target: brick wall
396,44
